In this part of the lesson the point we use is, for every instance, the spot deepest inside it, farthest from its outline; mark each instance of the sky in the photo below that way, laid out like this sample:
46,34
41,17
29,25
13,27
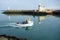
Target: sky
28,4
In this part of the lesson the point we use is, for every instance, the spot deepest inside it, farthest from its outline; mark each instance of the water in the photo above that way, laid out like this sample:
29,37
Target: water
44,28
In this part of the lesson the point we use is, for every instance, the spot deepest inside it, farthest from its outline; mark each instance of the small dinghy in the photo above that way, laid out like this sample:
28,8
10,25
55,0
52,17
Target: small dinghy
30,23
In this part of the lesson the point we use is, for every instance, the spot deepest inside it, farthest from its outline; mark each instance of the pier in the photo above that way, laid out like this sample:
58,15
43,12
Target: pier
31,12
22,11
41,10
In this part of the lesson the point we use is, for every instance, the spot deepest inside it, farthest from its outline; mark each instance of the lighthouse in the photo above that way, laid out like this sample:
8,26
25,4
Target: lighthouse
8,8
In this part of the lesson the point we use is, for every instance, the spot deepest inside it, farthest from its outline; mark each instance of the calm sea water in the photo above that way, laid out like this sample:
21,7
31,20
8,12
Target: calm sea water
44,28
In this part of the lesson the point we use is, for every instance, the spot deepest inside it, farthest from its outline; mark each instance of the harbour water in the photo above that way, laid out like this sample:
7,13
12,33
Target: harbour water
45,27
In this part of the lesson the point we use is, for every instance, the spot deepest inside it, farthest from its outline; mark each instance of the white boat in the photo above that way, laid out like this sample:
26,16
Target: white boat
30,23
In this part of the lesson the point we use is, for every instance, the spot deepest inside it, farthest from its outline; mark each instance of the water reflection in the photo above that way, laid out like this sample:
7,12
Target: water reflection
40,17
56,15
27,28
9,18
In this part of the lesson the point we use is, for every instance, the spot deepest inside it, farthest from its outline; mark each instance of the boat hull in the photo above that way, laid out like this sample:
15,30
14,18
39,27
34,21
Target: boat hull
30,23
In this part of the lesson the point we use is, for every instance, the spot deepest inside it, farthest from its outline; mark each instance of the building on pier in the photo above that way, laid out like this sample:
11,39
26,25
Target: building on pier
42,8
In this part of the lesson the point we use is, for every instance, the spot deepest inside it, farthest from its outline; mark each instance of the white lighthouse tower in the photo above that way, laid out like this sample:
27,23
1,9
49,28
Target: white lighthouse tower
8,8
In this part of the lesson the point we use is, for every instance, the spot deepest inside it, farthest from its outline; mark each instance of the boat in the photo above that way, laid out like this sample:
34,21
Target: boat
30,23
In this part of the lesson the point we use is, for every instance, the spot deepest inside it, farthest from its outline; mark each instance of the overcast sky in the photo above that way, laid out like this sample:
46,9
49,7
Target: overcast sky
28,4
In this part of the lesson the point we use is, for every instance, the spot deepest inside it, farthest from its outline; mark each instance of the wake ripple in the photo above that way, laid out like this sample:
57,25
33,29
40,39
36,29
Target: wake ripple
9,25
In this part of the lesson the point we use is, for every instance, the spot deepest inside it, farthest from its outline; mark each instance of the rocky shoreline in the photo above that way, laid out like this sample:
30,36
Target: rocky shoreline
5,37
